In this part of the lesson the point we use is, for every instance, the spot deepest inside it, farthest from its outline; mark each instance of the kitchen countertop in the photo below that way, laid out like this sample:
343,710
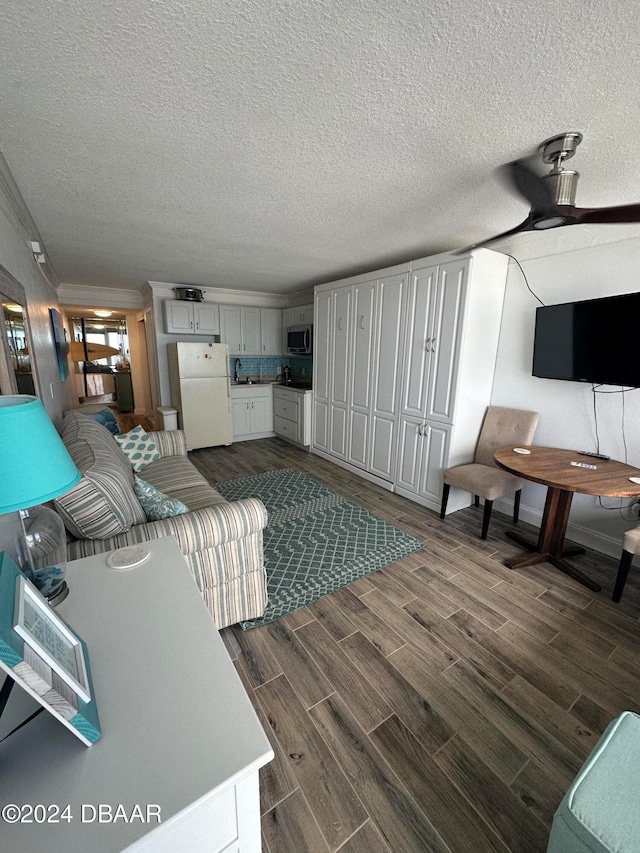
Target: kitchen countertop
295,385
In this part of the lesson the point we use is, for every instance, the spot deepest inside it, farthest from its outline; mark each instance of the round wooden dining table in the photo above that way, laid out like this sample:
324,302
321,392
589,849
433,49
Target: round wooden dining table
551,467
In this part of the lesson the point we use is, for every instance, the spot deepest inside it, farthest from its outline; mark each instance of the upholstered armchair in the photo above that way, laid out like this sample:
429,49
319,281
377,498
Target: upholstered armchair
482,477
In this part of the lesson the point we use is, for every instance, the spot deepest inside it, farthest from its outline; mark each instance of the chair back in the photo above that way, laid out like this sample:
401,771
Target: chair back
503,427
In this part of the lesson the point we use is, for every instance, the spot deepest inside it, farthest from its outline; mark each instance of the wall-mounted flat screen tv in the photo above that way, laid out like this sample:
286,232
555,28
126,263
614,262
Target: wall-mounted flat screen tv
591,341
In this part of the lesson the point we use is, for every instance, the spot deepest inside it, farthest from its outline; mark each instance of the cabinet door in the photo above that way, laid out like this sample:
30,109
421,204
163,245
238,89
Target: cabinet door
323,346
207,319
435,454
340,371
261,414
387,375
240,409
231,328
251,339
178,317
410,453
271,331
361,369
286,322
447,312
418,341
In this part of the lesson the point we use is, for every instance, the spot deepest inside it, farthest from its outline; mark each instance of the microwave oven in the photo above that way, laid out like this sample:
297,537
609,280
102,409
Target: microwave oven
300,340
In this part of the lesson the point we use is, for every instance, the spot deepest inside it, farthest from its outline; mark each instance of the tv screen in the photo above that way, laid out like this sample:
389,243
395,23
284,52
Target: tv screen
591,341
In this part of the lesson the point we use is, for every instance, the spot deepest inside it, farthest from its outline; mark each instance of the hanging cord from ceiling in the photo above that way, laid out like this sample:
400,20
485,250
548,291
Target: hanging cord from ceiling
525,278
595,390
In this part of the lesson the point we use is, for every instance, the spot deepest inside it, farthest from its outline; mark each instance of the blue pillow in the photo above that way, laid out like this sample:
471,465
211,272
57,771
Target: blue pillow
107,419
156,504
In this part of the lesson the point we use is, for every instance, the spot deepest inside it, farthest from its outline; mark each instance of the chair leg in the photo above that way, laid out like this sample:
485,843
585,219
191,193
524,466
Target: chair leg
516,506
445,498
623,574
476,500
486,516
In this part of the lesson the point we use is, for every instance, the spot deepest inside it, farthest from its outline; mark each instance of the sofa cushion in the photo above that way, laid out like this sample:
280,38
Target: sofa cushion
103,503
139,448
179,478
155,503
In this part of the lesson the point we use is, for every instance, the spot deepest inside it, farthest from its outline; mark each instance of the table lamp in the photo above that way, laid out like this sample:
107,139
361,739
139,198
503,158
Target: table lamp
35,467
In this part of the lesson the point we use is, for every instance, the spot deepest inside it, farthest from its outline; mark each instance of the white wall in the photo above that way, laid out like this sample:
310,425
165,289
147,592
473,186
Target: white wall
566,408
16,232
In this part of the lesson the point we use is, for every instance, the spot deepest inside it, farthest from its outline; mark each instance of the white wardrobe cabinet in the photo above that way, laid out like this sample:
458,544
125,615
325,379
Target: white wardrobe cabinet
356,370
454,310
403,369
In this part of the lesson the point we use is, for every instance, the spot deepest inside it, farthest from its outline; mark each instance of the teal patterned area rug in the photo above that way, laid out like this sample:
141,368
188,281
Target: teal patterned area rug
315,541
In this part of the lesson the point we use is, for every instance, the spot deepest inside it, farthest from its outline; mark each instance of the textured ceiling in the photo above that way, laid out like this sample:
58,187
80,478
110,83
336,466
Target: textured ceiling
269,145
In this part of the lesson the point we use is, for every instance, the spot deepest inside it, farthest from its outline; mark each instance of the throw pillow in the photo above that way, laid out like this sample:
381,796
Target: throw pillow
156,504
107,419
138,447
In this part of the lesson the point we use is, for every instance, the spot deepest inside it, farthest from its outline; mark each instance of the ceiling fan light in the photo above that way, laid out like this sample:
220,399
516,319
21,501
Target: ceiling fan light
549,222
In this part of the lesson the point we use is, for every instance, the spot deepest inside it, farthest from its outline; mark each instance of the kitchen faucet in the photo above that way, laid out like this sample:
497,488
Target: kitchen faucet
237,372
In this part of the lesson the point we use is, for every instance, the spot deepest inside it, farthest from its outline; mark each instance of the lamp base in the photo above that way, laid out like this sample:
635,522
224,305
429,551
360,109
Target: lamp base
42,552
58,595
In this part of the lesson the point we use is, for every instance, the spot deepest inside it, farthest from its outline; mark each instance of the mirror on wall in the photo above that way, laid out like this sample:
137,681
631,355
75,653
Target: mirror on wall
18,346
17,373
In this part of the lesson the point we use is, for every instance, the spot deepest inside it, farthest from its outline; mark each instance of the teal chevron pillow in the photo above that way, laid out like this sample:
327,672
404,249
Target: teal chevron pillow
156,504
138,447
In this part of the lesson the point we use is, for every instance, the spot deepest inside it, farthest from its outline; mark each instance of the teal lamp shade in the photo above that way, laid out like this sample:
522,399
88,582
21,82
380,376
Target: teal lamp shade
34,463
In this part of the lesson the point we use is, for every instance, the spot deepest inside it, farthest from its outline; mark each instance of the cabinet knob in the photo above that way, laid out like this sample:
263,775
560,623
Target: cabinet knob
433,345
362,322
427,345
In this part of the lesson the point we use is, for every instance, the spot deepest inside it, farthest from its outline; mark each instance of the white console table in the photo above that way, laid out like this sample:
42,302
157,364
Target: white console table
178,730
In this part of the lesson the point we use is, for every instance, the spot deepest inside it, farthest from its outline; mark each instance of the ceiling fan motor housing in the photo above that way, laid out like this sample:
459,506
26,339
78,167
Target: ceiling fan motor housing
563,186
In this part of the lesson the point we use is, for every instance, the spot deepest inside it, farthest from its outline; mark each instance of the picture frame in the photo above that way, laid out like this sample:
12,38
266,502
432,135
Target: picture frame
44,656
40,626
60,342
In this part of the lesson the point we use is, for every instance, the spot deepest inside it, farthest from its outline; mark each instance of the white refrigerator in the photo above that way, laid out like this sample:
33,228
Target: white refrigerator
200,391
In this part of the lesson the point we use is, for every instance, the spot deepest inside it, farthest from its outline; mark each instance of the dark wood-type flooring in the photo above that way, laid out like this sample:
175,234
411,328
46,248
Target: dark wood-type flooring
444,703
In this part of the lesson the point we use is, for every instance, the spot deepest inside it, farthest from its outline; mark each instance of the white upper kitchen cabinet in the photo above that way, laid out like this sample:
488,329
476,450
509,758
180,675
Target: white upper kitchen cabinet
190,318
302,315
271,331
240,329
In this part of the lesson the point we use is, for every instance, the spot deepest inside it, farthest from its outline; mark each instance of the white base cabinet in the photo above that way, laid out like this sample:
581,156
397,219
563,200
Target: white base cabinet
252,411
292,414
403,369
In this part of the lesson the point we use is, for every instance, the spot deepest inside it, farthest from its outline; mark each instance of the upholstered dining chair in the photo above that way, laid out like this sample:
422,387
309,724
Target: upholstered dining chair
482,477
630,547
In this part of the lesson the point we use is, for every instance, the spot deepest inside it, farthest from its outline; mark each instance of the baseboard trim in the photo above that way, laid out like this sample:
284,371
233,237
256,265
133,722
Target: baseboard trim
359,472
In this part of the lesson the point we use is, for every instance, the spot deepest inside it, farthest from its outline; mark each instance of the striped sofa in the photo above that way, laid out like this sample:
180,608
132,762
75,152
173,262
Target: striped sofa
221,540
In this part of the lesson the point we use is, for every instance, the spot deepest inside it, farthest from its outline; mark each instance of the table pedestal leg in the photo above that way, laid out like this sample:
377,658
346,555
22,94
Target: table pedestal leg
549,547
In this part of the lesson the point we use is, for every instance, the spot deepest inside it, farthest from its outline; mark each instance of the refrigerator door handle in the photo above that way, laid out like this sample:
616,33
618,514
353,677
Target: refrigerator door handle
228,393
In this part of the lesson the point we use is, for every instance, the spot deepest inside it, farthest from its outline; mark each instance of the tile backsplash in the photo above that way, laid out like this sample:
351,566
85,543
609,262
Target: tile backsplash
301,365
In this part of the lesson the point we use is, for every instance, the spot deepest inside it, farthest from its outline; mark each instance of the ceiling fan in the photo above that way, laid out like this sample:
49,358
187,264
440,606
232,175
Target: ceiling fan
552,196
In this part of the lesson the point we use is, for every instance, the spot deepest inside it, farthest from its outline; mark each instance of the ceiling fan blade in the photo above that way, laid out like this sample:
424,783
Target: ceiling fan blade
524,226
530,185
623,213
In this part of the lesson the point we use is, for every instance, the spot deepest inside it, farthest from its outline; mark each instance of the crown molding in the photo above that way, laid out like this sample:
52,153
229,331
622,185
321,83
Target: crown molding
99,297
